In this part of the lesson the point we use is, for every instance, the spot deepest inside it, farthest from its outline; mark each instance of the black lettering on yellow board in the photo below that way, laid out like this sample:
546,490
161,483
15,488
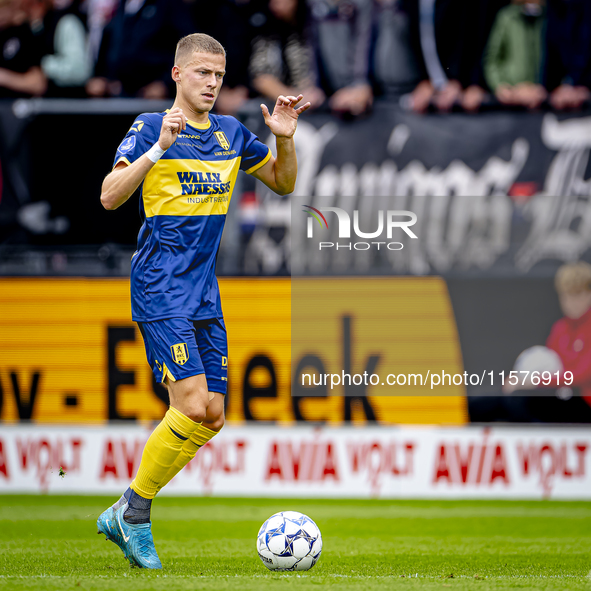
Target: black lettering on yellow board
299,392
124,385
251,391
117,377
25,402
356,394
25,405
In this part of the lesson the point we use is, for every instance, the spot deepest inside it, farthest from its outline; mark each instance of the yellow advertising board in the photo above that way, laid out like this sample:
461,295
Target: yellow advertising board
70,353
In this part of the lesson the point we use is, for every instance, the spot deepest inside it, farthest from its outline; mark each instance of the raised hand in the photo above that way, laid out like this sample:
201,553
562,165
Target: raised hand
172,124
284,120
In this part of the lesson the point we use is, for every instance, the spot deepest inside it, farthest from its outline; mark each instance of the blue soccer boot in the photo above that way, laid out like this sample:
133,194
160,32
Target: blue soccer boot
106,524
137,542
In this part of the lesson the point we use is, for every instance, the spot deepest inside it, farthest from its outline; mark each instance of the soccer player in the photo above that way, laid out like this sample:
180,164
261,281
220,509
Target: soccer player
185,162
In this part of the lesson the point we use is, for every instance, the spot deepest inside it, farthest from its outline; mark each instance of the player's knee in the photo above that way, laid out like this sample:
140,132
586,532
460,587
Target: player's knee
196,411
217,423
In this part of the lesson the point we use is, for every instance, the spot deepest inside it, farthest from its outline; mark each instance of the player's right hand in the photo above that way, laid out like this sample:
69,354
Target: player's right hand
173,123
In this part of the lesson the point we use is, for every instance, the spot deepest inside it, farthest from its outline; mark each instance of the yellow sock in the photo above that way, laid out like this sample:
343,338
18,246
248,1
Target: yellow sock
198,439
161,451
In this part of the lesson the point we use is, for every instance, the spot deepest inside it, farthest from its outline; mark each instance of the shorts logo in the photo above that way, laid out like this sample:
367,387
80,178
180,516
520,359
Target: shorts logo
224,361
220,136
158,365
180,353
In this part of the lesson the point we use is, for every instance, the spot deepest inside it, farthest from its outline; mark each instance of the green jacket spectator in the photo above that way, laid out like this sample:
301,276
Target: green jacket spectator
513,54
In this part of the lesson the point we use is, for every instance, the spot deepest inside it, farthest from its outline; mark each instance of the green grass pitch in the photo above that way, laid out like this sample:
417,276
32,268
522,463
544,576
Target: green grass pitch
50,543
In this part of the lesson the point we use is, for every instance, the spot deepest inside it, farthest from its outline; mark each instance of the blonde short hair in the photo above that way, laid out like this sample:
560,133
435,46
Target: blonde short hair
197,43
573,278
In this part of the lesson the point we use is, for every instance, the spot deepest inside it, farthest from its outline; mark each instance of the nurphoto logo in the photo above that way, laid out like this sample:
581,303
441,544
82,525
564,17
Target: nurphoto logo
388,221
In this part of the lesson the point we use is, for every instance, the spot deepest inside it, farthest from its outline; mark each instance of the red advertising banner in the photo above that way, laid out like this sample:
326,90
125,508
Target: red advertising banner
408,462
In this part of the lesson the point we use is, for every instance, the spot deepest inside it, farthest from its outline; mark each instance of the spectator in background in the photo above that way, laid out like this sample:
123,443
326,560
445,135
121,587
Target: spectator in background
452,36
281,61
99,14
481,16
63,40
513,56
341,32
442,32
20,55
135,54
570,338
568,59
233,23
396,50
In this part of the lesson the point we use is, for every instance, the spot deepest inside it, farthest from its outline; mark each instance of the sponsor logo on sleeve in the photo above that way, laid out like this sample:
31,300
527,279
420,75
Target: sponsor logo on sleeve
127,145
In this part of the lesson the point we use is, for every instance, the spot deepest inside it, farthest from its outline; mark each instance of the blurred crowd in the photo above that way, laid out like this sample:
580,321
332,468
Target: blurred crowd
439,55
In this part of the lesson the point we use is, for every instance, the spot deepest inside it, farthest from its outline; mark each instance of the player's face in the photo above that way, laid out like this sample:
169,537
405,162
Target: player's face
200,80
574,305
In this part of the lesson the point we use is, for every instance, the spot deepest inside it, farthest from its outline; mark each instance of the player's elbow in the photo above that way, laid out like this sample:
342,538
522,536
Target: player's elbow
106,202
285,189
111,197
109,201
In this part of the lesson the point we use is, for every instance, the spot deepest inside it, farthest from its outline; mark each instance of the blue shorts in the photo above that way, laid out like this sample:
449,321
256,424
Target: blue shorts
179,348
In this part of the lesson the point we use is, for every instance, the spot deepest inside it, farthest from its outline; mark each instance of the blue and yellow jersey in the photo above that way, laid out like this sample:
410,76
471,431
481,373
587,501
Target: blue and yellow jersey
184,202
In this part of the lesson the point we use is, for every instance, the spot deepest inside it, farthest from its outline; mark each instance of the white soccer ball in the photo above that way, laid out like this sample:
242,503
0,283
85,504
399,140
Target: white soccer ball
289,541
538,359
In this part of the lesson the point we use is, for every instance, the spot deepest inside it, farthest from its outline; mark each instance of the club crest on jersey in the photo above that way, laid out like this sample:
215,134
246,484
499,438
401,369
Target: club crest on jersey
220,136
180,353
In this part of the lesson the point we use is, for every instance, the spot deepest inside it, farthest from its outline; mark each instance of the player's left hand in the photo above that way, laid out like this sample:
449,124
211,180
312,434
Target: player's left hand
284,120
